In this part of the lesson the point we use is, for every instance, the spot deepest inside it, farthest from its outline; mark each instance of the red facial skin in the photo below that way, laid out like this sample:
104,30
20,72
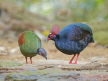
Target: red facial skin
50,36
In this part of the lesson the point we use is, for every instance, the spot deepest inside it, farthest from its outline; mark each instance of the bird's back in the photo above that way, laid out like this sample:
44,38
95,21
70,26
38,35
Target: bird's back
29,43
70,28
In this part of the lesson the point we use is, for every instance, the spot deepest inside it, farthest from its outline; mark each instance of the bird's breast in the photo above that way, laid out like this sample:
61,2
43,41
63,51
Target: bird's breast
69,47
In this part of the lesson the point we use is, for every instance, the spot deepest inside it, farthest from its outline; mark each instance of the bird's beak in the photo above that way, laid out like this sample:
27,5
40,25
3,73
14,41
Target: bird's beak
46,58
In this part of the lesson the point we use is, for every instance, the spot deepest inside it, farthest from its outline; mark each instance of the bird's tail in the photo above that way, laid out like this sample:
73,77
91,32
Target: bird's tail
91,40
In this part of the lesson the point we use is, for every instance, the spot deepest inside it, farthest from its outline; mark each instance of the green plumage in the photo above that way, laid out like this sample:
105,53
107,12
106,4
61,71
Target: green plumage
31,43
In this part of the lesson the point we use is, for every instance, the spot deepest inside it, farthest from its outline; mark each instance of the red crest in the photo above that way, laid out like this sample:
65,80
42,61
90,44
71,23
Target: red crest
55,30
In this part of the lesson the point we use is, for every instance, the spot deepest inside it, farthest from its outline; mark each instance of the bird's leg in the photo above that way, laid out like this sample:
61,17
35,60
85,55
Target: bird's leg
72,59
26,60
31,60
75,60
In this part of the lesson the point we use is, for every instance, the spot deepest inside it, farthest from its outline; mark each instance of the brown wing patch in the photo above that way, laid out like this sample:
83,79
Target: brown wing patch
84,34
21,39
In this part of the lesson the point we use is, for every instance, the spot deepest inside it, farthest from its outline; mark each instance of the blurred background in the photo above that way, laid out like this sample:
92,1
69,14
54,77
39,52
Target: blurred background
39,16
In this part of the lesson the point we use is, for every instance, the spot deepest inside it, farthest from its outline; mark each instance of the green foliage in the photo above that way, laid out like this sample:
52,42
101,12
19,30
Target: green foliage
100,32
101,37
68,10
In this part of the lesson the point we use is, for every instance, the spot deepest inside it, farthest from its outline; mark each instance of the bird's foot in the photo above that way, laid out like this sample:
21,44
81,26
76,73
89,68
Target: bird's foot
72,63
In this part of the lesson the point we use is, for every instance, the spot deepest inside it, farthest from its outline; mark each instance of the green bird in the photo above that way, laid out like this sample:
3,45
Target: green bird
30,45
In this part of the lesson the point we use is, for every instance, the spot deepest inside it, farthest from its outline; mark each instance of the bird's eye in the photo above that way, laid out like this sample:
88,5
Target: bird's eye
41,53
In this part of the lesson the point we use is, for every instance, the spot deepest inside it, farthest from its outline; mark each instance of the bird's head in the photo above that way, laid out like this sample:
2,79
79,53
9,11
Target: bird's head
42,52
54,32
51,36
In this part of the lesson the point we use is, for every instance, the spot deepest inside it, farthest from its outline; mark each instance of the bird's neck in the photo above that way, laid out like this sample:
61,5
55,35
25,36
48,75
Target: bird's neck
56,38
37,51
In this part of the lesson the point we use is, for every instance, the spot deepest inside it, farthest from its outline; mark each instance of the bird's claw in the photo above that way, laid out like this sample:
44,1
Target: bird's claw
72,63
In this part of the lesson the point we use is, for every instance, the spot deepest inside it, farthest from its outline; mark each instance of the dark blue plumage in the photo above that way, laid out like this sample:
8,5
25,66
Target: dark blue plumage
72,39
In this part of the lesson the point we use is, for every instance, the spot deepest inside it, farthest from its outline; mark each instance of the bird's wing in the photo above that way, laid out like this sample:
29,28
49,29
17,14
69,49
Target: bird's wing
77,33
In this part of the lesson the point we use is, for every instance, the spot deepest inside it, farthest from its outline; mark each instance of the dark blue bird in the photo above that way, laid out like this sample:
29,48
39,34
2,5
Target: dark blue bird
72,39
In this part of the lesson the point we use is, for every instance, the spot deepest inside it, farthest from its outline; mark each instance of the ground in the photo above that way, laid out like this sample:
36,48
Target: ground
92,64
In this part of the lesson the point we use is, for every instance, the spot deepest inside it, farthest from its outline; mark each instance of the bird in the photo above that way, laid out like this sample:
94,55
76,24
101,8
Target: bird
72,39
30,45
